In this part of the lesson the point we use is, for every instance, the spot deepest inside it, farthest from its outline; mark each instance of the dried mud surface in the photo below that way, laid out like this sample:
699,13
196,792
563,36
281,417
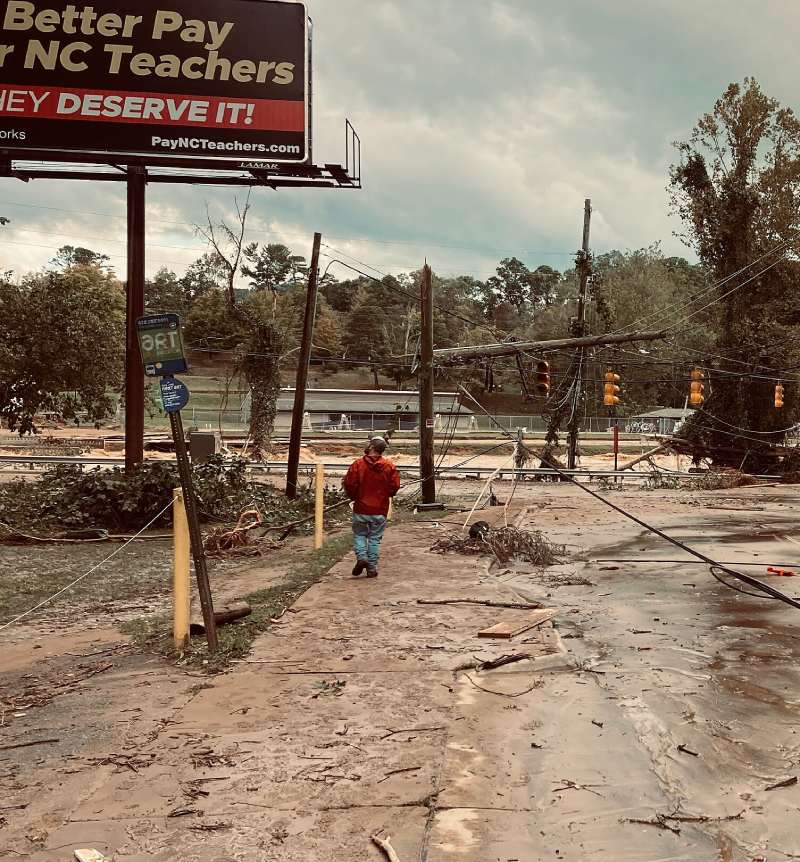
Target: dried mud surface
646,724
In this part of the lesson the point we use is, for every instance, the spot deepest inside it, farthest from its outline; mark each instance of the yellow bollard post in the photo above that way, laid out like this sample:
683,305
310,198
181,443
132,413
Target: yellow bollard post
319,509
181,593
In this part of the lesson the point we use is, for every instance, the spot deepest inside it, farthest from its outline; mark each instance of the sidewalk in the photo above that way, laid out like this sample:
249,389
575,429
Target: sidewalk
346,720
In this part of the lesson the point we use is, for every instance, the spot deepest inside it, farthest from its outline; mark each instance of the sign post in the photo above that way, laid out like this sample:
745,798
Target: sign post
161,346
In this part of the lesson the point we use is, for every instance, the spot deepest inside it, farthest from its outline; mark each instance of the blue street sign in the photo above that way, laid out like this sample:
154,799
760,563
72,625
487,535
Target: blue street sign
174,394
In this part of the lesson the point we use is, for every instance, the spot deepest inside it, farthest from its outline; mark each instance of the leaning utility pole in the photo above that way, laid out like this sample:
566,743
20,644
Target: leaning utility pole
456,355
574,424
426,417
296,438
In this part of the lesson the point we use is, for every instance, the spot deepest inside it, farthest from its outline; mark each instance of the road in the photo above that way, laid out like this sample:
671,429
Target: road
646,725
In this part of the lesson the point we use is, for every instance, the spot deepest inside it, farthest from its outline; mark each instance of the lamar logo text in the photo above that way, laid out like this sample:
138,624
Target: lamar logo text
258,166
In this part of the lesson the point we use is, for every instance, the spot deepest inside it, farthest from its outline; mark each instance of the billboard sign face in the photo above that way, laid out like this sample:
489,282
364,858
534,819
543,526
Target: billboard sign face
183,79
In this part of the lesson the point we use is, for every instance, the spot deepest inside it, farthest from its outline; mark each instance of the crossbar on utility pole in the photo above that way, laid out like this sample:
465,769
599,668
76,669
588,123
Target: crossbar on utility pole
134,377
296,438
574,424
426,418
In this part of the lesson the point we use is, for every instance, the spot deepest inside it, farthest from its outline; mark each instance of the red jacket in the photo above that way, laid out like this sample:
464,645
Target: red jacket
370,482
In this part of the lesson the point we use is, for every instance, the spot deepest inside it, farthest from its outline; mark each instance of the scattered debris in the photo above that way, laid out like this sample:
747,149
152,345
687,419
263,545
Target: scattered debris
211,826
335,688
493,664
399,772
240,541
89,856
537,684
517,606
232,614
183,812
787,782
386,845
409,730
573,785
506,631
29,744
660,821
665,821
505,544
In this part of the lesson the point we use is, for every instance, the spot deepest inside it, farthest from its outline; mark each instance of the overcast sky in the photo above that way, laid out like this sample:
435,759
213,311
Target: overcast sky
485,124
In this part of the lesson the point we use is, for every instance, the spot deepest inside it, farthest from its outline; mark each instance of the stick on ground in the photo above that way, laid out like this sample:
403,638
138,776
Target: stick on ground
28,744
386,845
515,606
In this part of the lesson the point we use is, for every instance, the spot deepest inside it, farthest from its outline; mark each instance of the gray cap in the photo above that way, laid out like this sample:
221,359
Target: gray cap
378,444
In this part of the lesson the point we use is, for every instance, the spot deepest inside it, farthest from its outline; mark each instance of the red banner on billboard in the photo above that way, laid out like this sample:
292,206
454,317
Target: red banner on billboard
123,107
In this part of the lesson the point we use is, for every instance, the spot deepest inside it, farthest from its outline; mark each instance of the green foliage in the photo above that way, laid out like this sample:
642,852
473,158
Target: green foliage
210,324
62,337
205,275
736,188
365,331
259,363
271,266
68,498
69,256
164,293
517,286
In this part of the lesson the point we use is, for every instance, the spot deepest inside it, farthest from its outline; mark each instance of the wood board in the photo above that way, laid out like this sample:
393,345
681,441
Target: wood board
506,631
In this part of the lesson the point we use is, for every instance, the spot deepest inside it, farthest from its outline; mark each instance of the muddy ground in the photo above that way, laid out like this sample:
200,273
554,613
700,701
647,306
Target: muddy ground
647,723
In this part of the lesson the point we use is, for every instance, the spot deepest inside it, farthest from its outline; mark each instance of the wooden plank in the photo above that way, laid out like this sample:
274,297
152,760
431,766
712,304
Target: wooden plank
506,631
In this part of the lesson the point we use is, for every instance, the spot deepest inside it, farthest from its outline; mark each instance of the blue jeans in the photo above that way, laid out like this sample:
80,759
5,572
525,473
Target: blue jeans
368,531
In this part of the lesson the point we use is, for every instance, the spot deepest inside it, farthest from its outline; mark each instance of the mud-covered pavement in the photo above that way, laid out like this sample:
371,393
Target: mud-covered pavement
647,725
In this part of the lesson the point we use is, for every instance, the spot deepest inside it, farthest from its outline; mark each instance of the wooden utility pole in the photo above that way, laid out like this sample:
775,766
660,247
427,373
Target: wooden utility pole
302,372
426,418
574,424
134,377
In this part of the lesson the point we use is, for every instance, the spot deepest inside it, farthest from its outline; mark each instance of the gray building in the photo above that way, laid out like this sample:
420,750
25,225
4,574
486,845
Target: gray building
665,420
369,410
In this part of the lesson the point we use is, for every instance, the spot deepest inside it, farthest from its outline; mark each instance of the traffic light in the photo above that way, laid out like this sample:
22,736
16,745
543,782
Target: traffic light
543,378
611,390
779,396
697,396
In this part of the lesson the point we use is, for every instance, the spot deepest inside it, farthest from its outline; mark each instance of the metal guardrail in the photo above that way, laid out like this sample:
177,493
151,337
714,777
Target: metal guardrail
412,470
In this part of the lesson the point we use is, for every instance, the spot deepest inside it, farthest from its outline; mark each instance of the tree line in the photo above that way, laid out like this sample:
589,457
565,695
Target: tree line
735,188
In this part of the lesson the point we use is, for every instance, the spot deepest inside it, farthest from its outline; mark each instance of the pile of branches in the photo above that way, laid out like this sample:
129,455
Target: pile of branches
241,540
505,545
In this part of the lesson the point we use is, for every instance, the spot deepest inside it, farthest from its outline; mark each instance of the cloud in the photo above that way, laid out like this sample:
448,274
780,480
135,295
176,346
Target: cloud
485,125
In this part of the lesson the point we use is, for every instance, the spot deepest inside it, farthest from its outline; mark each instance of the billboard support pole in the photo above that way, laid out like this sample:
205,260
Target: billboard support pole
296,438
134,379
426,418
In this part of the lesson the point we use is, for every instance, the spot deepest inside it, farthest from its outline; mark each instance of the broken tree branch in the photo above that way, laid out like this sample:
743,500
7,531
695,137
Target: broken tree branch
493,664
28,744
399,772
409,730
537,684
386,845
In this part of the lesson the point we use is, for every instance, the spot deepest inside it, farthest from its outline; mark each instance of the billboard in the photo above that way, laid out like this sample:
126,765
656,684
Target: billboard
184,79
